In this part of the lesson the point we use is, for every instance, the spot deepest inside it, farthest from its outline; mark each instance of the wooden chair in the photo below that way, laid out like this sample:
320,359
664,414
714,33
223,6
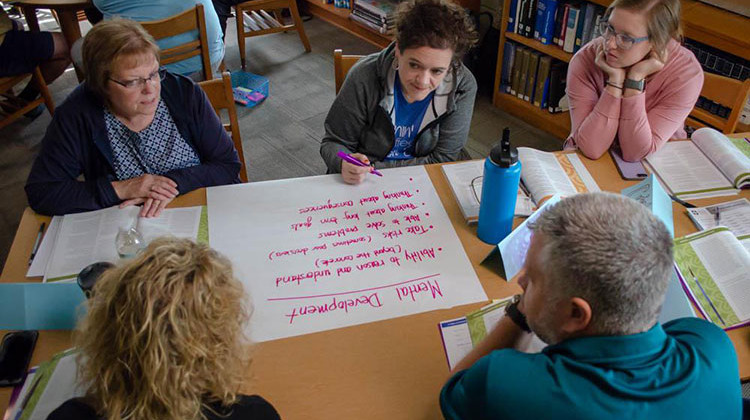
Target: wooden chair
189,20
219,92
14,107
341,66
260,7
725,91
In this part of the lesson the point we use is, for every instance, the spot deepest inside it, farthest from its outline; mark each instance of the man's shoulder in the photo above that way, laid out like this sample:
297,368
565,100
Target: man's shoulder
704,336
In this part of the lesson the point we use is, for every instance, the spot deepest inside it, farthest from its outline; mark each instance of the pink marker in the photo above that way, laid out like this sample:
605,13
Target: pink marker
354,161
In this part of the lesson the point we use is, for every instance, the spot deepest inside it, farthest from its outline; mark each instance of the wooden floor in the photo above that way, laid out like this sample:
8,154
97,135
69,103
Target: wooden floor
281,136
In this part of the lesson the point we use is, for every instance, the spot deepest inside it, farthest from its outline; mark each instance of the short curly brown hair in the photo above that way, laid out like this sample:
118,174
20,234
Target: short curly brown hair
437,24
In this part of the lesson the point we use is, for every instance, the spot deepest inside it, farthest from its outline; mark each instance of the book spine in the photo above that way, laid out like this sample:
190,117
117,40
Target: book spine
525,59
542,78
509,52
530,19
531,76
570,31
548,25
516,70
556,86
541,9
563,26
585,13
521,16
512,16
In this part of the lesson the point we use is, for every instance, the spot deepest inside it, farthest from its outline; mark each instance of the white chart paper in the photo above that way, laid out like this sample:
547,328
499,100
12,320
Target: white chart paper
317,254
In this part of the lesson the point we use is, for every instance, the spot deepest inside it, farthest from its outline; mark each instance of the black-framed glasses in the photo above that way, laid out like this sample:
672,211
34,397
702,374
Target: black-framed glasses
140,82
622,40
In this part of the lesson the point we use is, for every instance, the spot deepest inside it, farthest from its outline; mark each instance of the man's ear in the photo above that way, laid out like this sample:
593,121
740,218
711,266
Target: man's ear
577,316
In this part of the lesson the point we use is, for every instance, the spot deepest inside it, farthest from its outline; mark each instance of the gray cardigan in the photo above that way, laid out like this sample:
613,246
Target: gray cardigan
361,118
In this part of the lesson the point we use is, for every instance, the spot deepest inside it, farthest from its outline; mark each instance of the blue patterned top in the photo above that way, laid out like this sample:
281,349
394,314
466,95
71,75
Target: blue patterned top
157,149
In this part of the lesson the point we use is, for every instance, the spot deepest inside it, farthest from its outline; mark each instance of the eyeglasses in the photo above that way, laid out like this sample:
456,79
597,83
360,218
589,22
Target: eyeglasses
623,41
140,82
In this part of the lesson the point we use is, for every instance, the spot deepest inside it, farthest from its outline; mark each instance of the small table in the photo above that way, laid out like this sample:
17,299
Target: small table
67,14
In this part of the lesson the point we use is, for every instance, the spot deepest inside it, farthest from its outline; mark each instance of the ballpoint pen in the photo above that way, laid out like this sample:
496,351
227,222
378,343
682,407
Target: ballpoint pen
354,161
682,203
695,279
36,243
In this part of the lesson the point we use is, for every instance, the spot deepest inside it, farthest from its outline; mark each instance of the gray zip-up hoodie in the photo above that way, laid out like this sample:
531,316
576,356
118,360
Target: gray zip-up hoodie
361,119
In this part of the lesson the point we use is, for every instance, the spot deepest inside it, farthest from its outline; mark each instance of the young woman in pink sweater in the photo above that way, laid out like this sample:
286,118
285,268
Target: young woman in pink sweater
635,84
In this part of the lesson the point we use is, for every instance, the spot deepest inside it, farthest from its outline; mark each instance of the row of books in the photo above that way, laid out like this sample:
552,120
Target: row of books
377,15
533,77
567,24
341,4
719,62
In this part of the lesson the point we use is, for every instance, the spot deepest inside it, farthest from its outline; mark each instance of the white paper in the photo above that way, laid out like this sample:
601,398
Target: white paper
687,172
543,174
317,254
513,247
43,254
456,340
61,387
734,215
86,238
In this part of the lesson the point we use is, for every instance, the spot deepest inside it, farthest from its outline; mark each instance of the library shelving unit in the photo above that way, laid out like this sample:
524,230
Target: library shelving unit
701,22
340,17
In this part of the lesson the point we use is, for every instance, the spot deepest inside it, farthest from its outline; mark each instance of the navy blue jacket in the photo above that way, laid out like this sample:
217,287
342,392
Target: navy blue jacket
76,144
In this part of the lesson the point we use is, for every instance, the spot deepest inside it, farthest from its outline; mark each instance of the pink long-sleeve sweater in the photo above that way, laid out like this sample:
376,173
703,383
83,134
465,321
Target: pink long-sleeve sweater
641,123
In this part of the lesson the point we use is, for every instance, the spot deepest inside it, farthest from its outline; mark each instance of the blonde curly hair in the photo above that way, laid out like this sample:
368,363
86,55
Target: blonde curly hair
163,337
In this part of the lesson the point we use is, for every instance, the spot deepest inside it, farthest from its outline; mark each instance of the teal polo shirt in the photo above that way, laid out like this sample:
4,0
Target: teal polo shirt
686,369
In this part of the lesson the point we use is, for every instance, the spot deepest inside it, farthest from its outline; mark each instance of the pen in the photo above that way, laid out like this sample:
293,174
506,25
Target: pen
695,279
717,216
683,203
36,243
354,161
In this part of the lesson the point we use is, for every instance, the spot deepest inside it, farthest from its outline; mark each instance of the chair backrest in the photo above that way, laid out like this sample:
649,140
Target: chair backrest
189,20
341,66
728,92
219,92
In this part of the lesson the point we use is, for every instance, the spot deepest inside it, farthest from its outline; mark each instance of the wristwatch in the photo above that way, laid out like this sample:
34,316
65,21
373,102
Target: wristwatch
638,85
512,312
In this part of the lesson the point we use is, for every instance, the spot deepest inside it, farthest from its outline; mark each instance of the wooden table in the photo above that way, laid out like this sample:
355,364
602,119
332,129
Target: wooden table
391,369
67,15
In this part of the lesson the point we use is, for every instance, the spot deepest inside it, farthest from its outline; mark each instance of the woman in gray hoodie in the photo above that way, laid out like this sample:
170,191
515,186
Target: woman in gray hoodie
410,104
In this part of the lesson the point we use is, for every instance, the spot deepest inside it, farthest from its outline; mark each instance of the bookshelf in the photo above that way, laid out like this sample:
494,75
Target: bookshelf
340,17
704,23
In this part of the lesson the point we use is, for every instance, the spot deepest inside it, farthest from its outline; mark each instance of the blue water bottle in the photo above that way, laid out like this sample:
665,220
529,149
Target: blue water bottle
502,172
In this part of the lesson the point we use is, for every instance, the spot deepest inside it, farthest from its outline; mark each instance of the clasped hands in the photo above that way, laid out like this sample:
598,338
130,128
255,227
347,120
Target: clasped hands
154,192
650,64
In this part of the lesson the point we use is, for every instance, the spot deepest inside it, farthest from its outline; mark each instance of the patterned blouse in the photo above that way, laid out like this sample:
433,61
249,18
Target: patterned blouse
157,149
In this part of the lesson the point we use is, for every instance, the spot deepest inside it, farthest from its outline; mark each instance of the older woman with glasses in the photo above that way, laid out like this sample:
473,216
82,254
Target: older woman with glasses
633,86
136,134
